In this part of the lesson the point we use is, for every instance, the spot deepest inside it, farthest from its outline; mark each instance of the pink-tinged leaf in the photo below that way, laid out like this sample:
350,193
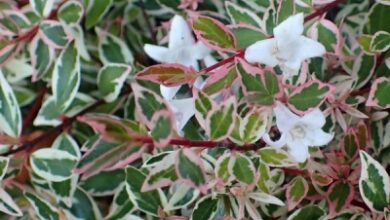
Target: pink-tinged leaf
130,154
340,195
309,96
41,56
220,81
340,119
203,105
379,93
168,74
327,33
190,170
213,33
350,146
296,191
162,174
321,179
54,34
220,120
363,68
147,103
113,128
163,126
260,87
362,134
8,52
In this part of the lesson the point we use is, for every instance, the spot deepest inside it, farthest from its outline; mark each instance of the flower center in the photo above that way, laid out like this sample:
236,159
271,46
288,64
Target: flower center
298,132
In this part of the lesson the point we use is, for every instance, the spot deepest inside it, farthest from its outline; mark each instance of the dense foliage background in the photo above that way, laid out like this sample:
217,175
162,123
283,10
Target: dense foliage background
194,109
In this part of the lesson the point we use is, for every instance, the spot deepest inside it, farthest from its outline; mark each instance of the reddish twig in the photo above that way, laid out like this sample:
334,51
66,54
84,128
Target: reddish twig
323,10
205,144
58,129
34,109
223,62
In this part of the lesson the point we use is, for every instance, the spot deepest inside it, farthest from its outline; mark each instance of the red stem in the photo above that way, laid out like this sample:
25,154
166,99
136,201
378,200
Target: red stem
35,108
205,144
223,62
323,10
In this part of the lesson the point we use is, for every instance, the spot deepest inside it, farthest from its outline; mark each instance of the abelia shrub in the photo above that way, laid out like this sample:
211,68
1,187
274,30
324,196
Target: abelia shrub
194,109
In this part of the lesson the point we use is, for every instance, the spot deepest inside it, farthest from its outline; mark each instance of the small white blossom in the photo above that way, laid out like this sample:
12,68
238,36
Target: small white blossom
182,49
288,48
298,133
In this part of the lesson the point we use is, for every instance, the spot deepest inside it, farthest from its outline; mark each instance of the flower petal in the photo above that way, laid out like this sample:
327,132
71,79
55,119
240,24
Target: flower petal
180,33
278,144
183,109
169,92
199,50
314,119
319,138
209,60
157,53
304,48
289,30
187,61
285,119
298,150
262,52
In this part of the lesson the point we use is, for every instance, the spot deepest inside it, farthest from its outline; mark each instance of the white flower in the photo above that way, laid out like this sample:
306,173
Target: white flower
288,48
298,133
182,49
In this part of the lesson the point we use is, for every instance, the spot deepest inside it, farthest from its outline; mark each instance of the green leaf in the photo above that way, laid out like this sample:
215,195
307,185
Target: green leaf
71,12
121,205
308,96
374,183
261,88
350,144
363,69
275,157
66,143
375,21
380,42
7,204
252,126
242,15
42,57
104,183
66,77
190,167
4,161
247,36
364,41
162,174
53,164
213,33
64,190
111,79
147,103
172,5
148,202
340,195
307,212
10,116
95,11
162,128
206,208
379,93
83,207
285,10
53,34
242,168
43,209
220,122
42,7
328,35
49,113
203,105
296,192
222,168
113,49
168,74
223,81
182,197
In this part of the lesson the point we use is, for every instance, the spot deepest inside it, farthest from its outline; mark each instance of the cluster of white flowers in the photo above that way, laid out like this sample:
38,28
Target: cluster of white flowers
288,49
182,49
